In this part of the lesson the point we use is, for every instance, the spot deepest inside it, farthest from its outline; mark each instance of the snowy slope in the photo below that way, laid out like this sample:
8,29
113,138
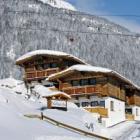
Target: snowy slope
59,4
14,126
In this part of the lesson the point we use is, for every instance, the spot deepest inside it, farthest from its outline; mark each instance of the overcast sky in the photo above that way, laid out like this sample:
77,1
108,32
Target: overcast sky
113,7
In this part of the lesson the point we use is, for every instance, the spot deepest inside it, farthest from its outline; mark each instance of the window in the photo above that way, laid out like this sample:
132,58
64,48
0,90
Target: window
128,110
112,106
75,83
84,82
84,104
46,66
101,80
94,103
78,104
137,112
53,65
92,81
102,103
39,67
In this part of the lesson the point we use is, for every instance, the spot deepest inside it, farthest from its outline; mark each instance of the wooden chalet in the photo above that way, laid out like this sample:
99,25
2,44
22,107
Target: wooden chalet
133,104
98,90
91,80
39,64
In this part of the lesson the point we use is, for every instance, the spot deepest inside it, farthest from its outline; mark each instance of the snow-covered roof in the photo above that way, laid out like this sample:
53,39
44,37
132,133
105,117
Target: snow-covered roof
89,68
29,55
47,92
59,4
10,82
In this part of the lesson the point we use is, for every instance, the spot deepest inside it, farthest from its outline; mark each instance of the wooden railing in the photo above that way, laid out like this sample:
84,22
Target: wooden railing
100,110
68,127
129,117
85,89
40,74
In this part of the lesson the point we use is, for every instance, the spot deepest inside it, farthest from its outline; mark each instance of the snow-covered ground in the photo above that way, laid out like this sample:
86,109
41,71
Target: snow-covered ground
15,126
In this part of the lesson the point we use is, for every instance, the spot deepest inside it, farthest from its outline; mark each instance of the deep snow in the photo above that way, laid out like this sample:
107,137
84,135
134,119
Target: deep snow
15,126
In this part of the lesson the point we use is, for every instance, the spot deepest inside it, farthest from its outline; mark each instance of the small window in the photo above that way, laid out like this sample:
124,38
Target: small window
92,81
39,67
75,83
112,106
128,110
84,104
94,103
137,112
78,104
53,65
102,103
101,80
84,82
46,66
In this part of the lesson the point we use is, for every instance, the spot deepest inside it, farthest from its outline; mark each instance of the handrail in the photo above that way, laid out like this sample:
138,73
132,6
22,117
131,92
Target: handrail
75,129
66,126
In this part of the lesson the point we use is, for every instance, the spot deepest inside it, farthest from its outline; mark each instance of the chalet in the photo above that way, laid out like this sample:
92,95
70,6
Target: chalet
53,98
39,64
133,104
98,90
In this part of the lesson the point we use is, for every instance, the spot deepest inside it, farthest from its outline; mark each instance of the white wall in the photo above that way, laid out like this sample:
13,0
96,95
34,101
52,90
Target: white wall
136,116
116,116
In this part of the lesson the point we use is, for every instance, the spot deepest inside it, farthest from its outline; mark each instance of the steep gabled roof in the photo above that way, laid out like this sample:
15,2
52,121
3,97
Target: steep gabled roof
35,53
94,69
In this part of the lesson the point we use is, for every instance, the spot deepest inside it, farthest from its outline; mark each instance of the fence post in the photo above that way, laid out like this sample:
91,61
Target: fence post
41,115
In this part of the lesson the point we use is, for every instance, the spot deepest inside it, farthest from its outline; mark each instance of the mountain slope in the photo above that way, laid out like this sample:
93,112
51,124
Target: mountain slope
59,4
28,25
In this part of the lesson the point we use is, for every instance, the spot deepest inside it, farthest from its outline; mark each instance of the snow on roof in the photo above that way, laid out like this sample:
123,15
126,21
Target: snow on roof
45,52
10,82
59,4
89,68
47,92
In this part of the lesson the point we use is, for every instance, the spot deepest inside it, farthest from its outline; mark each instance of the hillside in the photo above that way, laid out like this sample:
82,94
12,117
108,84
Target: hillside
15,104
27,25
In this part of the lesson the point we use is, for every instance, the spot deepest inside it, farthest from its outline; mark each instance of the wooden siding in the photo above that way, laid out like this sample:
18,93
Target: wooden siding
100,110
115,91
40,74
86,89
129,117
133,100
102,89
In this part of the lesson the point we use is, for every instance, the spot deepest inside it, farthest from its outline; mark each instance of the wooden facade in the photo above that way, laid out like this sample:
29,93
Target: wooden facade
41,66
133,98
129,117
100,110
100,85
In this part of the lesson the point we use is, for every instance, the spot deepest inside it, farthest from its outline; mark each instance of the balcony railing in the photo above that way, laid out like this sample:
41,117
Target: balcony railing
100,110
85,89
40,74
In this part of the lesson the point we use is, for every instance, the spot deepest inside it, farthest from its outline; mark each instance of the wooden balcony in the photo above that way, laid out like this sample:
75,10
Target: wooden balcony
40,74
100,110
129,117
99,89
133,100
